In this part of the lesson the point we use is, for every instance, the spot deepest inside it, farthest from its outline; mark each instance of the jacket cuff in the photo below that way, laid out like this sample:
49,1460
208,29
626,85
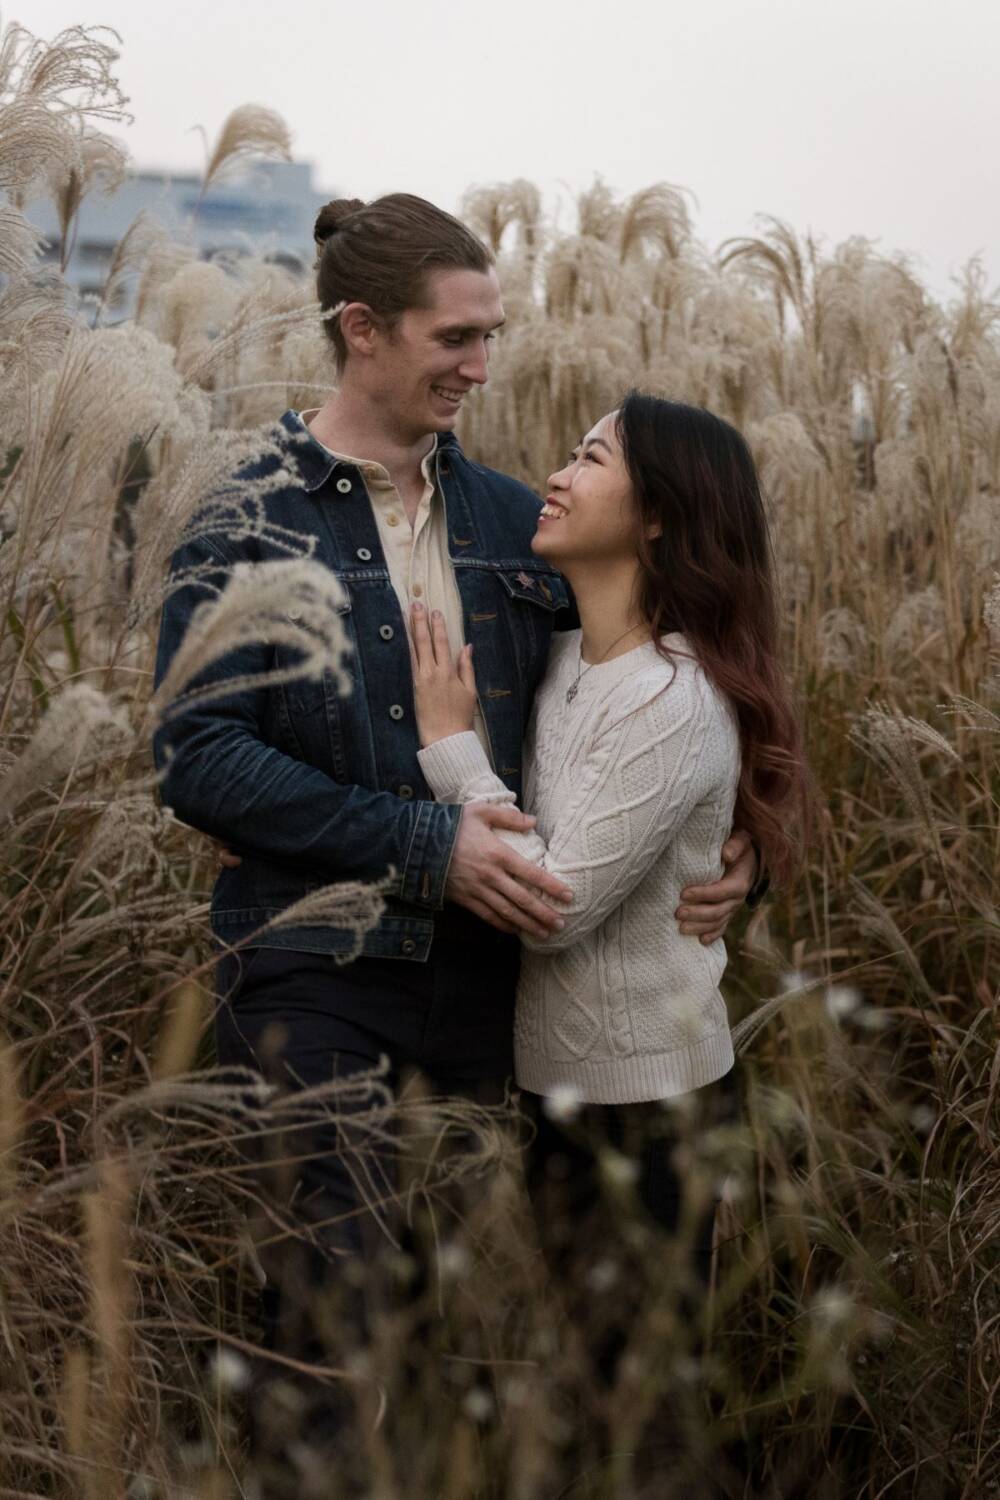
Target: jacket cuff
452,764
428,857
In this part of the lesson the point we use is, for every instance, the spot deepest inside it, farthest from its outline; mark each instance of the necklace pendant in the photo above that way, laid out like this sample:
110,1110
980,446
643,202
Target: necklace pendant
572,691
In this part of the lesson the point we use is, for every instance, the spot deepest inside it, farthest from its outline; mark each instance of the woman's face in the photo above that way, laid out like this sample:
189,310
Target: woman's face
589,513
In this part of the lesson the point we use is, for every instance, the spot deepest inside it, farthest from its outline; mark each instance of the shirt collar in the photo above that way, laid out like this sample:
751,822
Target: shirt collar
316,463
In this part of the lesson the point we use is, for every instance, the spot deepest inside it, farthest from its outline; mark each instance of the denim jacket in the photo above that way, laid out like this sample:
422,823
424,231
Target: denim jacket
310,787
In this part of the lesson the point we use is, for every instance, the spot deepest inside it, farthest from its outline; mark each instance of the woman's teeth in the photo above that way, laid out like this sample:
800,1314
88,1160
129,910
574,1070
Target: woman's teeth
552,512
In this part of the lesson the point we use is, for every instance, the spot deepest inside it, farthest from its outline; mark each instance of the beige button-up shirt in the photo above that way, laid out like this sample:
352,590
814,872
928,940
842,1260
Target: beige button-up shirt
417,556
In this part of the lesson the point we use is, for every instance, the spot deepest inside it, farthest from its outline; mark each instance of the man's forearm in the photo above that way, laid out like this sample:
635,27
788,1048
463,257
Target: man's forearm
239,790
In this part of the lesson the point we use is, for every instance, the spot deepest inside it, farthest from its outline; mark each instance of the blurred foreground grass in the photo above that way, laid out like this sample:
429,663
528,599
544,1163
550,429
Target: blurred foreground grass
851,1345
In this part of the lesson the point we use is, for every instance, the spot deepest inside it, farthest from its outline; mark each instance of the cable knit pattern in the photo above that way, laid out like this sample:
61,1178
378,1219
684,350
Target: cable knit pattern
633,785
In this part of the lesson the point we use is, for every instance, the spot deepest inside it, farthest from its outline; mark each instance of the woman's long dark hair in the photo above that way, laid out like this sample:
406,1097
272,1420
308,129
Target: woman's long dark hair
710,574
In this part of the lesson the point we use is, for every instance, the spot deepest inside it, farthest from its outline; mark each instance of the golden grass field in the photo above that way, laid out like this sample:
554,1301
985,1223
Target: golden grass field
852,1344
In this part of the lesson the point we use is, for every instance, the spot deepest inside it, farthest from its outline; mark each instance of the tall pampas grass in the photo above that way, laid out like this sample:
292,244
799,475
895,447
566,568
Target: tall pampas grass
852,1330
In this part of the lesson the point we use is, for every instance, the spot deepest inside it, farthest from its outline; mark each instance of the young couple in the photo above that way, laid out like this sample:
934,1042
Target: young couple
558,803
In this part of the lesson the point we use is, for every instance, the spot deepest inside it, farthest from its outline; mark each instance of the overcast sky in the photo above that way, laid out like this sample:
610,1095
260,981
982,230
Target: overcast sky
872,117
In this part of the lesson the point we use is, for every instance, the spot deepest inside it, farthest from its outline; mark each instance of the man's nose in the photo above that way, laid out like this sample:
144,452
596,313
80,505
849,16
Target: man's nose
475,366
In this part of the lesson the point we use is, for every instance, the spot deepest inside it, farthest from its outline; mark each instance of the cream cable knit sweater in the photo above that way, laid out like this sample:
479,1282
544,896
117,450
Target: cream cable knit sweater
633,785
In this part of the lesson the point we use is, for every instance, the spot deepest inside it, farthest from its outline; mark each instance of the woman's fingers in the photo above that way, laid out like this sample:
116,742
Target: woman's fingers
466,671
442,646
423,647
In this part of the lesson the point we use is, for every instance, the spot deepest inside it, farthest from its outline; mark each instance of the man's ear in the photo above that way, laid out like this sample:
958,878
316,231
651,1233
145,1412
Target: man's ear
360,330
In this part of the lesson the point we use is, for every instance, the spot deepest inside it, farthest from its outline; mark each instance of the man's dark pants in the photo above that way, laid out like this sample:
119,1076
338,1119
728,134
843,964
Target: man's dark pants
303,1020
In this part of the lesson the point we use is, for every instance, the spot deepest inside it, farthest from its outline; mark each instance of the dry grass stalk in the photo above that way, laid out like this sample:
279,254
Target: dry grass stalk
853,1329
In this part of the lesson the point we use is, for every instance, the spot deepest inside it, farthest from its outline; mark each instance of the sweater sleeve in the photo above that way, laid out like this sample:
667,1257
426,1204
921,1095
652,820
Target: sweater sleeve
638,782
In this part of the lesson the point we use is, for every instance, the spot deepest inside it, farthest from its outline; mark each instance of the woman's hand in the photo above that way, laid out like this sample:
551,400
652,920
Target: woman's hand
444,691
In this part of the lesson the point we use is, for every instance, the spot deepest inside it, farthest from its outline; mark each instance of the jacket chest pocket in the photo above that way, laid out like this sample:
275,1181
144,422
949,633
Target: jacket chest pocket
532,600
309,707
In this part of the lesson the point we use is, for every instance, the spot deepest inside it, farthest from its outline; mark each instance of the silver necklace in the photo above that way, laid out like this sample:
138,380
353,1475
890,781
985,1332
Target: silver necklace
574,686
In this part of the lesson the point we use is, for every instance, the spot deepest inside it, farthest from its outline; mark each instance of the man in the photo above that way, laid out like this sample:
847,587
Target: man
306,787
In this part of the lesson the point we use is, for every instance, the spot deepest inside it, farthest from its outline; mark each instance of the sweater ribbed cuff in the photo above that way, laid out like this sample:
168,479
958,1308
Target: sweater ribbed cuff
452,764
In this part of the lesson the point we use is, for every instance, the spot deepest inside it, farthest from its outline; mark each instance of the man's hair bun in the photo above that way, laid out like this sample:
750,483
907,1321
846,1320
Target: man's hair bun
332,215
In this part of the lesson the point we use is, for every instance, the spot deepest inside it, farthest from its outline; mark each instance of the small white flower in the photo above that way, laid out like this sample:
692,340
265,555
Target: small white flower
621,1171
602,1275
832,1305
922,1118
478,1404
841,1000
872,1018
562,1103
731,1188
794,979
230,1370
453,1260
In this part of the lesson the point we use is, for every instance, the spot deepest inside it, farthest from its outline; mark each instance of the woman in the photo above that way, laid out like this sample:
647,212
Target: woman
657,722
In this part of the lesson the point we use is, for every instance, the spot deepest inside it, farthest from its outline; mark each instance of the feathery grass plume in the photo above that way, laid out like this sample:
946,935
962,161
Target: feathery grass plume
878,920
491,211
249,130
198,492
295,605
917,621
871,1166
843,641
19,241
101,166
657,217
745,1032
132,252
348,904
50,95
81,726
893,740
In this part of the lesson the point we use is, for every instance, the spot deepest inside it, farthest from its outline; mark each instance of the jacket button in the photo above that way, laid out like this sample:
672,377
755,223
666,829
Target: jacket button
386,632
407,946
364,554
396,711
344,486
406,791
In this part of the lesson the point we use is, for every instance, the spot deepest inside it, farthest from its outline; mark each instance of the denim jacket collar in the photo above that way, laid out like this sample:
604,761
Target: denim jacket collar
316,464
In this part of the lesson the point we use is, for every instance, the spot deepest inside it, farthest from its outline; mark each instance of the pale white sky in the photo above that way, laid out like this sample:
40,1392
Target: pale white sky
873,117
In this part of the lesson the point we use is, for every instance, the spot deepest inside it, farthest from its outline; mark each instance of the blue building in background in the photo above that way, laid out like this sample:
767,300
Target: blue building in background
268,209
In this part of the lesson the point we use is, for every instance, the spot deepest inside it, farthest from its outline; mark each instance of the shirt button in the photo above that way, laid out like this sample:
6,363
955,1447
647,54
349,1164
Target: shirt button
386,632
344,486
407,946
406,792
417,590
396,711
364,554
392,520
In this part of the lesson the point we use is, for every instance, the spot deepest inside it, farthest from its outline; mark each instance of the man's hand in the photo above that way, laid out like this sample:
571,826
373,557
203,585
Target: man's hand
705,910
488,878
225,856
